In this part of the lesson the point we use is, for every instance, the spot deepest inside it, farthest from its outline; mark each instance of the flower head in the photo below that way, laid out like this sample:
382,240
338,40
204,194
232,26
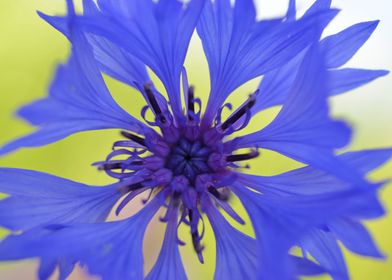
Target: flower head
190,159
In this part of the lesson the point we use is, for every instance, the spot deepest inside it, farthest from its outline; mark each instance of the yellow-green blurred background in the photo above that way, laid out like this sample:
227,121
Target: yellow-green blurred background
30,50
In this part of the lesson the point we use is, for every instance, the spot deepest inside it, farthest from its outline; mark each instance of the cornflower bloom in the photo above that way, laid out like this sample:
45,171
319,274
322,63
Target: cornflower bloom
190,160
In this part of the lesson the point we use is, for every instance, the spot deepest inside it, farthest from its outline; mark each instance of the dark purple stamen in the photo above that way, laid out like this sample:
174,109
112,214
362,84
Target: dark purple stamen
221,196
110,166
153,102
240,112
132,187
191,101
241,157
135,186
118,165
134,138
196,239
129,198
196,243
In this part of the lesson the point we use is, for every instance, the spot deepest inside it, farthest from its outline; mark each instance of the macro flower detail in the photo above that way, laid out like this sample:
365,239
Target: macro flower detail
189,157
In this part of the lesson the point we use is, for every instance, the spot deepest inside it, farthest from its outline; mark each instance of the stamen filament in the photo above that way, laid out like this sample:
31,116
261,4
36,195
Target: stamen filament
196,239
242,157
134,138
153,102
110,166
217,194
118,165
191,101
240,112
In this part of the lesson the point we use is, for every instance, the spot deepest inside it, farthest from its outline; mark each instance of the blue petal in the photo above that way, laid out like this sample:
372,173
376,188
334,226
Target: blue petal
324,248
46,268
112,250
48,265
238,50
58,22
367,160
276,85
117,63
236,254
319,5
344,80
310,180
38,199
169,264
65,269
303,211
156,33
355,237
273,238
78,101
339,48
306,267
281,222
113,60
303,130
291,10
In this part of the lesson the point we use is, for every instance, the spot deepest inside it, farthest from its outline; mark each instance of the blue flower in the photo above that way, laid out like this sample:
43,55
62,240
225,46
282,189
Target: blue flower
189,160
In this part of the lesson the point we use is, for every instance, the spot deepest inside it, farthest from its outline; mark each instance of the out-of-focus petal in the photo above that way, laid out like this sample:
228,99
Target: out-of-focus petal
291,10
324,248
111,250
355,237
38,199
275,86
339,48
347,79
281,222
318,5
306,267
310,180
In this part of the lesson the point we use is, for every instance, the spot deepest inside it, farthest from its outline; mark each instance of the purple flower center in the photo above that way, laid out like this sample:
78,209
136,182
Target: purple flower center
189,158
186,163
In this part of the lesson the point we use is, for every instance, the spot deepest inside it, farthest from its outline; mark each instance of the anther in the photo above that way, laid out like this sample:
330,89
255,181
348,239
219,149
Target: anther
196,239
191,101
239,112
224,196
196,243
134,138
110,166
153,102
241,157
118,165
